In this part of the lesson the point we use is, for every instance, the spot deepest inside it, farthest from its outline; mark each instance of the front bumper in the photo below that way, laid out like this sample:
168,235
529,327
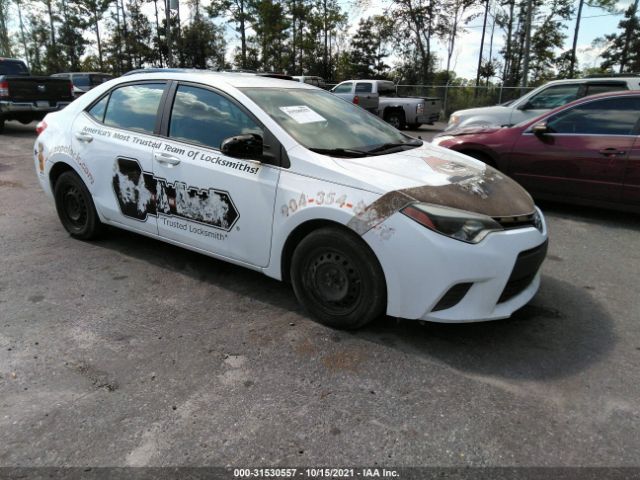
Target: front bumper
428,118
422,266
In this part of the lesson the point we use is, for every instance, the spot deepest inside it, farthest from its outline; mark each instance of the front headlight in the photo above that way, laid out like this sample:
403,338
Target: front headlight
454,120
464,226
440,139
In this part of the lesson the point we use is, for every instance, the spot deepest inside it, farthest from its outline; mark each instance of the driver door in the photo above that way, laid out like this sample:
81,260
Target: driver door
205,199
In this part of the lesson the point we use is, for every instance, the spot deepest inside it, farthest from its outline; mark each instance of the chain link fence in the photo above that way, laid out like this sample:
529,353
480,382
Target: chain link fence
458,97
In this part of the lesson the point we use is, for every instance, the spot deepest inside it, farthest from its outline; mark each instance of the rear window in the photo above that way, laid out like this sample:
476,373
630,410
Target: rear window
13,67
363,88
134,107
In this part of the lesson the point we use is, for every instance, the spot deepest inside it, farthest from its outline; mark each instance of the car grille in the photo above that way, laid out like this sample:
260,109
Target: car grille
520,221
524,271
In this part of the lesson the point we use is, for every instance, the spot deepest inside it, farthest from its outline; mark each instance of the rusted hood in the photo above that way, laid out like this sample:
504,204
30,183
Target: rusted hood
438,176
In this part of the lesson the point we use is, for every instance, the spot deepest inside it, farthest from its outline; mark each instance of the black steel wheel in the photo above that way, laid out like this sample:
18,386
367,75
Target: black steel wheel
75,207
338,279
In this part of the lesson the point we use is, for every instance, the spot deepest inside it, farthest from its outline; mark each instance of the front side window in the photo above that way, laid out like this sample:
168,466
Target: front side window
320,120
207,118
134,107
613,116
343,88
554,96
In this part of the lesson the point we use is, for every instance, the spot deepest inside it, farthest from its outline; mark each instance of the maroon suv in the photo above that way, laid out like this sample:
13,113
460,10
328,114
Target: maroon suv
587,151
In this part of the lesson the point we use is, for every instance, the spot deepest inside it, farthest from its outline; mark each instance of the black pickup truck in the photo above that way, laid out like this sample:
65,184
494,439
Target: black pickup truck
26,98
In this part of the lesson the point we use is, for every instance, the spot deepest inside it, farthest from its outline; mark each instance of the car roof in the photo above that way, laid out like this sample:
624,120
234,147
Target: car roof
630,78
237,80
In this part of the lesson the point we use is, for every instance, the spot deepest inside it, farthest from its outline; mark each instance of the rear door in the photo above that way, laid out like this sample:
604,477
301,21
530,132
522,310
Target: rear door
114,139
585,153
216,203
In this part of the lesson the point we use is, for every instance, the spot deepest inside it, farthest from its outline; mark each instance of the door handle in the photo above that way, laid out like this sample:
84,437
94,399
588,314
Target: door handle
611,151
166,159
84,137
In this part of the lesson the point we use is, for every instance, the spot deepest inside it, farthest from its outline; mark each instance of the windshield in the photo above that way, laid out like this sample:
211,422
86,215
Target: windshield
12,67
323,122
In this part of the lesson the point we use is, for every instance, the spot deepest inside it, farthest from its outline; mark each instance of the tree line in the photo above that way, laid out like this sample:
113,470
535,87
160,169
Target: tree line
412,41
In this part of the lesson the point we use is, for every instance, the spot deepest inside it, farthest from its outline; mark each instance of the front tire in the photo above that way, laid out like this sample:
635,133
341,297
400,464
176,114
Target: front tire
414,126
338,279
75,207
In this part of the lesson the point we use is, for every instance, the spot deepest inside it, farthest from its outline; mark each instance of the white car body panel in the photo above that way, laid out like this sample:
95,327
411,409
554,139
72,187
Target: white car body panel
419,264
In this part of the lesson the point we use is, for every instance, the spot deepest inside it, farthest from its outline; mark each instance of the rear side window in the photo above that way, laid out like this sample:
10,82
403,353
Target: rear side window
343,88
363,88
595,88
207,118
613,116
98,109
134,107
554,96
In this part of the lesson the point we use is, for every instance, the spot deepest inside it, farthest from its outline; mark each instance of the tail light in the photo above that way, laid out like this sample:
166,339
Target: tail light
356,99
41,127
4,89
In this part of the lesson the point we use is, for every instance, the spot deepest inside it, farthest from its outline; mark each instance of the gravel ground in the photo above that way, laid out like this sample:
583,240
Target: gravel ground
131,352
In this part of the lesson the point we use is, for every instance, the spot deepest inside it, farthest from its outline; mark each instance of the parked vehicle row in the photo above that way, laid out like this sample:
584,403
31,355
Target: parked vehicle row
585,152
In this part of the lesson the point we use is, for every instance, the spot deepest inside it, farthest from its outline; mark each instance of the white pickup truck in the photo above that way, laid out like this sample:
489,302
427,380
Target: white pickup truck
379,96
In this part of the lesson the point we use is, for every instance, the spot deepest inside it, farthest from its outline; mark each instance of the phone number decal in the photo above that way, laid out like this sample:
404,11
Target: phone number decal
321,198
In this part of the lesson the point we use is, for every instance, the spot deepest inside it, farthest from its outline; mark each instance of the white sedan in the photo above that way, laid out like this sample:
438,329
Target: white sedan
289,180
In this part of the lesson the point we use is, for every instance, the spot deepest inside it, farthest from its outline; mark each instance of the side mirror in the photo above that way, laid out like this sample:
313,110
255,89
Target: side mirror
247,146
540,128
525,106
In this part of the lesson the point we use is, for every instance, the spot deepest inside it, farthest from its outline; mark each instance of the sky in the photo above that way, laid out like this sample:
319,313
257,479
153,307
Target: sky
595,23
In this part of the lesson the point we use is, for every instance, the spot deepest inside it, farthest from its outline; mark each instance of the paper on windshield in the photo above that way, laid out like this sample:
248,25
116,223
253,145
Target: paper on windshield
303,114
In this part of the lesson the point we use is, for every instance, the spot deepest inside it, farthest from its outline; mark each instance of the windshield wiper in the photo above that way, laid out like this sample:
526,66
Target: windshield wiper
388,146
340,152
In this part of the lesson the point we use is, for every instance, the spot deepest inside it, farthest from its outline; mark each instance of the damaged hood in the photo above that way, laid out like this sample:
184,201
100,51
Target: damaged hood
439,176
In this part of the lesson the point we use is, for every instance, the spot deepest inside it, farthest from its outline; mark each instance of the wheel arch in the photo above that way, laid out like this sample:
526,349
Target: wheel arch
481,154
305,229
58,169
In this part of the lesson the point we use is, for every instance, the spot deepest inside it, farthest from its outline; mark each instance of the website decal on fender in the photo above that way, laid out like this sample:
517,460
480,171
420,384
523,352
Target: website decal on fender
140,194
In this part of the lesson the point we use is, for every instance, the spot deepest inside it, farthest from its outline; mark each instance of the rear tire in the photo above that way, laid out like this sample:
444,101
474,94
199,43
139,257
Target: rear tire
75,207
338,279
395,119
